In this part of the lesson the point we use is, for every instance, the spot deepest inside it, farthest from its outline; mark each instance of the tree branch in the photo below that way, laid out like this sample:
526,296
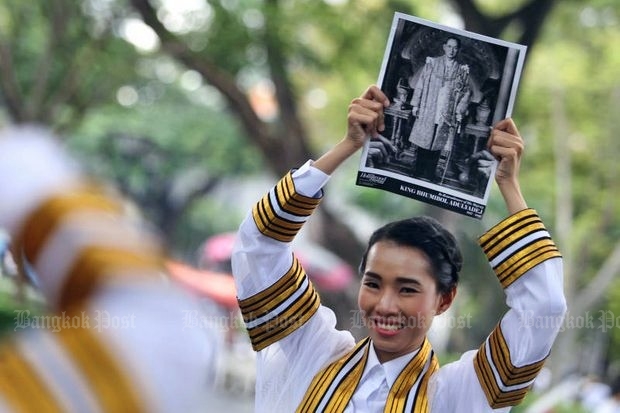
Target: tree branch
9,85
221,80
597,287
283,149
287,103
172,211
57,28
530,18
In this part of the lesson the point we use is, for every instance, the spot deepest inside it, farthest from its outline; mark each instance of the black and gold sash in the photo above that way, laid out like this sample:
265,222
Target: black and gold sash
332,388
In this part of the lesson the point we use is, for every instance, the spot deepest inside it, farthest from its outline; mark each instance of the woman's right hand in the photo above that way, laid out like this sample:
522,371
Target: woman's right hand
365,117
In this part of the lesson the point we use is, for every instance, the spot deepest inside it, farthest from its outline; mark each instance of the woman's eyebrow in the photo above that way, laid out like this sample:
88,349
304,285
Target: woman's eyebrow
407,280
400,280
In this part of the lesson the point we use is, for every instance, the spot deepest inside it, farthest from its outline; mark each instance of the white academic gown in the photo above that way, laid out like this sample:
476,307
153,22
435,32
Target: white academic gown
296,337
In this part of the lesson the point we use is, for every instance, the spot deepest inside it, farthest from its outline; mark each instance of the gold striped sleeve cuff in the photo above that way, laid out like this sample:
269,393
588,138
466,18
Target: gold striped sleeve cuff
26,388
103,372
280,309
21,385
503,383
281,213
44,221
96,259
516,245
93,264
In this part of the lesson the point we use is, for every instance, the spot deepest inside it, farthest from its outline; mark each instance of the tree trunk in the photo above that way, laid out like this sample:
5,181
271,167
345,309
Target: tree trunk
284,145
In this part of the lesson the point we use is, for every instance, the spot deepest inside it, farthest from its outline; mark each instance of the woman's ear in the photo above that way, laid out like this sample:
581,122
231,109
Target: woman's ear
446,300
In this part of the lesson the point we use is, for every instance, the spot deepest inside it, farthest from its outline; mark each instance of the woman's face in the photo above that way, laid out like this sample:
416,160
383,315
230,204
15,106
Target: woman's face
398,298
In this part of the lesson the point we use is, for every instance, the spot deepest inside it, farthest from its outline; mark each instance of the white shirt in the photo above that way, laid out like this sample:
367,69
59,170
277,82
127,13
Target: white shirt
286,368
376,381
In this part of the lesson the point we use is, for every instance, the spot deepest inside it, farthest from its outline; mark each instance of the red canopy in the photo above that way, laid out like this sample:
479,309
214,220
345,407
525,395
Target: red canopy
219,287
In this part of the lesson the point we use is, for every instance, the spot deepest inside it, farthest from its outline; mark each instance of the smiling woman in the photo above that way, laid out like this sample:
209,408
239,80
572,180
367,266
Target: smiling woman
403,288
410,272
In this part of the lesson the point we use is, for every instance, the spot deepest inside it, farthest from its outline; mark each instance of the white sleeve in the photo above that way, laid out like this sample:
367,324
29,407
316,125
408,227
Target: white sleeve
115,326
499,374
38,167
261,256
294,335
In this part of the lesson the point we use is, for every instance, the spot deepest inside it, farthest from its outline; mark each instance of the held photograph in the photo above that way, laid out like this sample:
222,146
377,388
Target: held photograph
446,87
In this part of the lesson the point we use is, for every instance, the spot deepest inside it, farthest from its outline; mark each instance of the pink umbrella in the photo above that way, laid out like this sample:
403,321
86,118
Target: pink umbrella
216,252
325,269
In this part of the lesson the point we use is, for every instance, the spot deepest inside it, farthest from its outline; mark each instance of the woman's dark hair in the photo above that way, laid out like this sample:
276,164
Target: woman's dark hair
428,235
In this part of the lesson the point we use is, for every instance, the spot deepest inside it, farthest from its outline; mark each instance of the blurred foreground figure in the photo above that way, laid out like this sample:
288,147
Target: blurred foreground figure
114,339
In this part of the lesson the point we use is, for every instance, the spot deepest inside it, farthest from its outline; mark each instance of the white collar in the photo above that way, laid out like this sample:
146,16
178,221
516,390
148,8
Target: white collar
391,368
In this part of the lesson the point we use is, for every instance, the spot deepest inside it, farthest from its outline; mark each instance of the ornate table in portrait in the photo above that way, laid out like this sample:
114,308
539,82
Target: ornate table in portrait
399,117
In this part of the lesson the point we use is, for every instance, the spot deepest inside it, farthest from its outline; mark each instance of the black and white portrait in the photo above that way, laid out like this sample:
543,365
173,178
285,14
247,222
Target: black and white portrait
446,87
